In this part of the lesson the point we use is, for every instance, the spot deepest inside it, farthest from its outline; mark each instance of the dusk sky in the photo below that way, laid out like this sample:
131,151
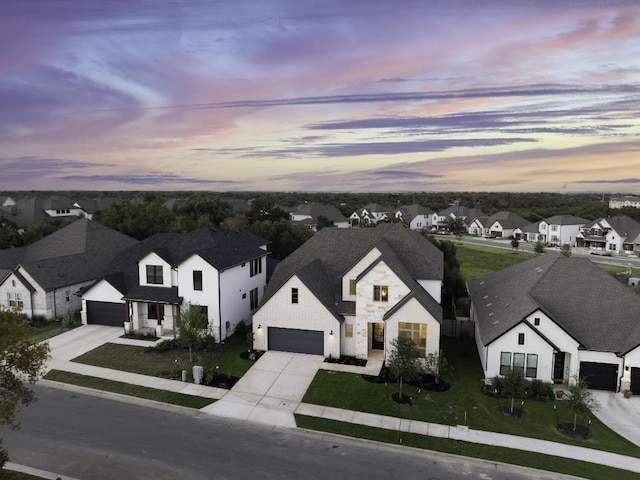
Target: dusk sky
348,95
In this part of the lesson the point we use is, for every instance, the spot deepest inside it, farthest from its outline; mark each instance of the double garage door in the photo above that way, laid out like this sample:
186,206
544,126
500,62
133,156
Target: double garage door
106,313
296,341
600,376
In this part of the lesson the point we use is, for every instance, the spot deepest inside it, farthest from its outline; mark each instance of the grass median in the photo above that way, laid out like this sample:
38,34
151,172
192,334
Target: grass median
164,396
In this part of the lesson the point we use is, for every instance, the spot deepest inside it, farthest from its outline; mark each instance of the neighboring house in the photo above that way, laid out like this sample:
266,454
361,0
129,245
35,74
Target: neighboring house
350,292
6,201
625,201
504,224
537,316
222,271
45,277
478,225
415,217
556,231
610,235
90,206
308,214
371,215
457,211
30,211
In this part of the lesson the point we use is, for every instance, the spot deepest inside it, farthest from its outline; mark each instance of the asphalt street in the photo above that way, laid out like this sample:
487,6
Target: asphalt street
95,437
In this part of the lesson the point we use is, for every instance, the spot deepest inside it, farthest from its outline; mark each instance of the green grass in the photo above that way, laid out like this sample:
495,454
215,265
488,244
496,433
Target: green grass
48,330
463,404
488,452
13,475
163,396
169,364
477,260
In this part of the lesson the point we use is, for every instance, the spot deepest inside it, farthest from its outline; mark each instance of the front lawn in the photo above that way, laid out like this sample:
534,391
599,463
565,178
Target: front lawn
219,358
46,331
462,404
478,260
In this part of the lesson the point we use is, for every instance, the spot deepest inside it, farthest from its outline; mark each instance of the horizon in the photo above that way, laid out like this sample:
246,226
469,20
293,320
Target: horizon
289,96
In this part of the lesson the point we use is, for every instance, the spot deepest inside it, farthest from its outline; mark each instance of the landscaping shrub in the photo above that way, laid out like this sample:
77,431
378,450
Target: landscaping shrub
539,390
242,328
37,320
165,346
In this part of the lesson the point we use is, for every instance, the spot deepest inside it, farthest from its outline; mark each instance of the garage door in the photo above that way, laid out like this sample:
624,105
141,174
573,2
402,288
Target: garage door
296,341
635,379
600,376
106,313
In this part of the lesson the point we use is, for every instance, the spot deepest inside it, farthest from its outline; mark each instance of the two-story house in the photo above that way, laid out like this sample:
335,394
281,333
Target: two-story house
415,217
610,235
222,271
350,292
624,201
371,214
557,230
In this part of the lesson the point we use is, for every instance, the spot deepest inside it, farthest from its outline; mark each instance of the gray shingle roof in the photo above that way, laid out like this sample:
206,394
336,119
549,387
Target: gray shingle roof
508,220
565,220
594,308
220,248
323,260
74,254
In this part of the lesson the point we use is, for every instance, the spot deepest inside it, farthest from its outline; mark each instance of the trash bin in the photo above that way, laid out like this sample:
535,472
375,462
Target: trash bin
184,375
198,373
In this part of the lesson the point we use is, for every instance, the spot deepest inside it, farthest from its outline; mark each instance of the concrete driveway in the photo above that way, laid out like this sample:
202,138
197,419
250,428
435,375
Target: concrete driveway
620,414
69,345
271,390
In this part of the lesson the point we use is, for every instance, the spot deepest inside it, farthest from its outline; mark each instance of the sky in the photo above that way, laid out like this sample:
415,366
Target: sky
309,95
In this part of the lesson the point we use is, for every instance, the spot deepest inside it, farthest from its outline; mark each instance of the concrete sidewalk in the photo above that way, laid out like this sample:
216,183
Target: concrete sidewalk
271,393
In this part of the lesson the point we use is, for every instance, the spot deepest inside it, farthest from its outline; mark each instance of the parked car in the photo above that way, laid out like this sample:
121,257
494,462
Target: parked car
489,235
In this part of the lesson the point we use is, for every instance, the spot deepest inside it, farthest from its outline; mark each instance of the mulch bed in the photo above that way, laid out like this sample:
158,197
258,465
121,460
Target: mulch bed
405,400
220,380
580,433
506,411
252,355
346,360
425,382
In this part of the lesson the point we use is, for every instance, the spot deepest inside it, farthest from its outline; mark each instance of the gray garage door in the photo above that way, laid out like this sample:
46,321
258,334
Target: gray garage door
635,379
106,313
297,341
600,376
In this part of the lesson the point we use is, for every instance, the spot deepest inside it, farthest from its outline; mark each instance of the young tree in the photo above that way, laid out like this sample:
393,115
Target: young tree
191,322
513,384
404,361
580,399
515,244
538,248
20,361
438,365
566,250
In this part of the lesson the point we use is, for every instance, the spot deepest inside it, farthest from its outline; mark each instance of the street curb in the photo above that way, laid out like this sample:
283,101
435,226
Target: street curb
36,472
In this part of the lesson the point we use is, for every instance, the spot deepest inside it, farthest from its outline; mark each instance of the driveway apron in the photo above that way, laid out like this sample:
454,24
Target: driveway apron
271,390
620,414
69,345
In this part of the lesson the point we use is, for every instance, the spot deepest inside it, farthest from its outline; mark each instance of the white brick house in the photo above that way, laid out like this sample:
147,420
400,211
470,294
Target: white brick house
351,292
223,272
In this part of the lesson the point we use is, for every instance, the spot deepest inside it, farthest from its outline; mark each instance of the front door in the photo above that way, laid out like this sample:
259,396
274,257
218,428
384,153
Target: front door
558,366
377,340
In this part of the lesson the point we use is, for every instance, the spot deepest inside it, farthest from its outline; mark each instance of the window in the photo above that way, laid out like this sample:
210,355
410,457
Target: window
154,274
532,366
294,295
155,311
197,280
505,362
67,295
416,332
15,300
380,293
255,267
536,321
518,361
348,330
352,287
521,339
253,298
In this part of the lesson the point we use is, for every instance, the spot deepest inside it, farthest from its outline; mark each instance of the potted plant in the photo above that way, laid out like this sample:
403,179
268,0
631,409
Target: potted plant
627,393
559,393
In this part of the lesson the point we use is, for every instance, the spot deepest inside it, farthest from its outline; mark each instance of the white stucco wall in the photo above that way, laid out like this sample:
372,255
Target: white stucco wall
154,259
413,312
433,288
307,314
208,296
